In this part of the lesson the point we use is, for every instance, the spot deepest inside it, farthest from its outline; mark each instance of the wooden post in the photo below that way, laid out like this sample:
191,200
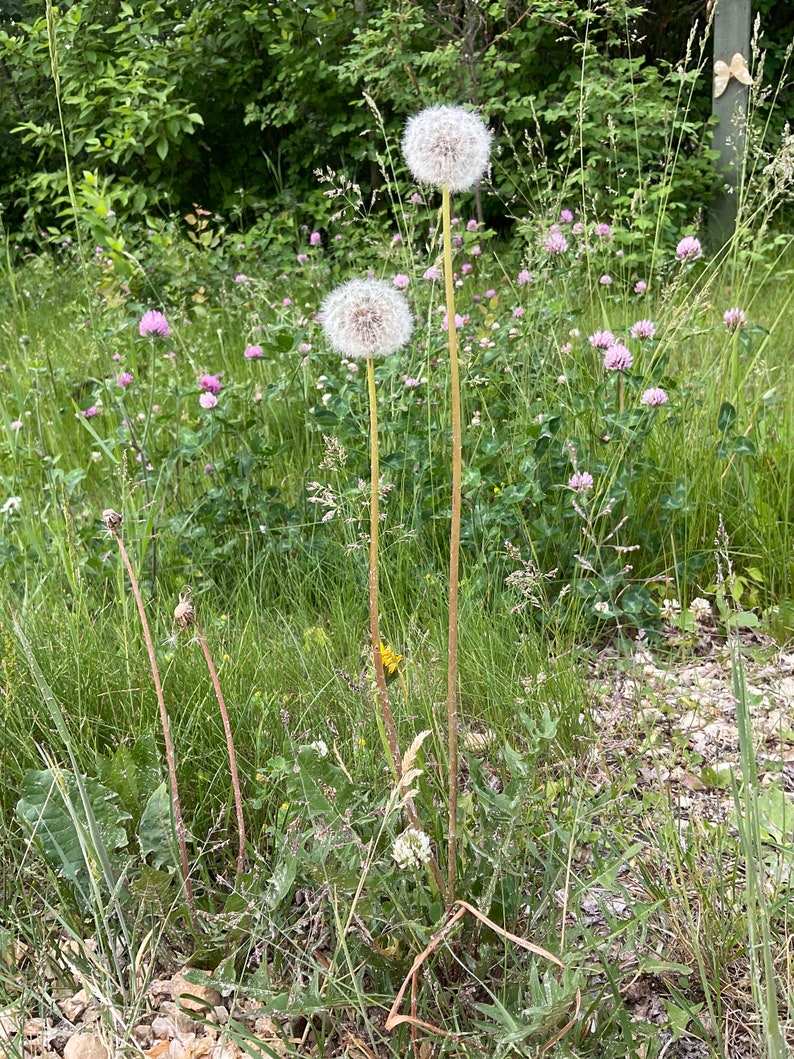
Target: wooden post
732,23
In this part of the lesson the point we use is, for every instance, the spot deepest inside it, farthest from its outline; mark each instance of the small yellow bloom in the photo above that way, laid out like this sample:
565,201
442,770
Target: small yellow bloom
390,659
362,742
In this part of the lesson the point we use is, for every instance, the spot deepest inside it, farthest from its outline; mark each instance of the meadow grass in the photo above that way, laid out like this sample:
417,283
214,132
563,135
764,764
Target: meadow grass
260,505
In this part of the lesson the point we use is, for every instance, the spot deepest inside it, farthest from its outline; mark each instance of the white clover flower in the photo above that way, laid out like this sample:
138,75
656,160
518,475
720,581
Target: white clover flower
447,147
320,747
411,849
700,609
671,609
366,318
11,505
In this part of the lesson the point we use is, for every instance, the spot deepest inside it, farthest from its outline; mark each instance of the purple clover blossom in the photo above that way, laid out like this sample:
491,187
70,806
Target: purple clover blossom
153,323
459,321
315,239
412,384
566,216
581,482
432,273
302,258
578,228
416,199
472,225
241,278
253,352
556,243
210,384
125,379
735,319
466,268
654,397
602,339
89,413
603,230
618,358
401,281
605,280
208,468
518,312
643,329
524,276
640,286
689,249
208,399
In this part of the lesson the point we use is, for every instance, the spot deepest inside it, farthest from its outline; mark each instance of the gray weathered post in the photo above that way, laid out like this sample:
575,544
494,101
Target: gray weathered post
732,23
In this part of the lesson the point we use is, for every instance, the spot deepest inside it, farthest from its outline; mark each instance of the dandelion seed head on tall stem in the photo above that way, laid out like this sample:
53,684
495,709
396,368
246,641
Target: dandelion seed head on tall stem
366,318
447,147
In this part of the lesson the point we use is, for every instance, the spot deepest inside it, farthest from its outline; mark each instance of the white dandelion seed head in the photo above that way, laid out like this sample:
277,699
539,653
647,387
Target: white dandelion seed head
447,147
411,849
366,318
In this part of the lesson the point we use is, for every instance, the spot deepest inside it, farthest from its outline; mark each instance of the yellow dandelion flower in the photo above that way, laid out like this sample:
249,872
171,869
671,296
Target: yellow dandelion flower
390,659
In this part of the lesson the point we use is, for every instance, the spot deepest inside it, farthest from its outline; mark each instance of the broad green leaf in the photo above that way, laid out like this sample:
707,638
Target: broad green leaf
156,831
52,810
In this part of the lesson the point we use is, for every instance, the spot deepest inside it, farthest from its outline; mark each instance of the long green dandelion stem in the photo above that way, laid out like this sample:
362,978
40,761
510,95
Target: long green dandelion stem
374,619
374,527
454,550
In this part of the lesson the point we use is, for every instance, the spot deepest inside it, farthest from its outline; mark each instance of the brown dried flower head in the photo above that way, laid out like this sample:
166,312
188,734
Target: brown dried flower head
184,614
112,519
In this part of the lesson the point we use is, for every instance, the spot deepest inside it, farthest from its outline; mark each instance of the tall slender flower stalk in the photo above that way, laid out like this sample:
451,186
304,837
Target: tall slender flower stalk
185,617
113,520
450,147
363,319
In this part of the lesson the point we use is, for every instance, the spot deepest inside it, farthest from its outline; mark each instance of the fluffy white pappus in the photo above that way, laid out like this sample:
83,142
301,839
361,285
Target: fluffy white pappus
447,146
366,318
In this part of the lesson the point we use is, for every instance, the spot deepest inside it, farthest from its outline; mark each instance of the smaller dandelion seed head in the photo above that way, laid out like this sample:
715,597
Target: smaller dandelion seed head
112,519
366,318
411,849
447,146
